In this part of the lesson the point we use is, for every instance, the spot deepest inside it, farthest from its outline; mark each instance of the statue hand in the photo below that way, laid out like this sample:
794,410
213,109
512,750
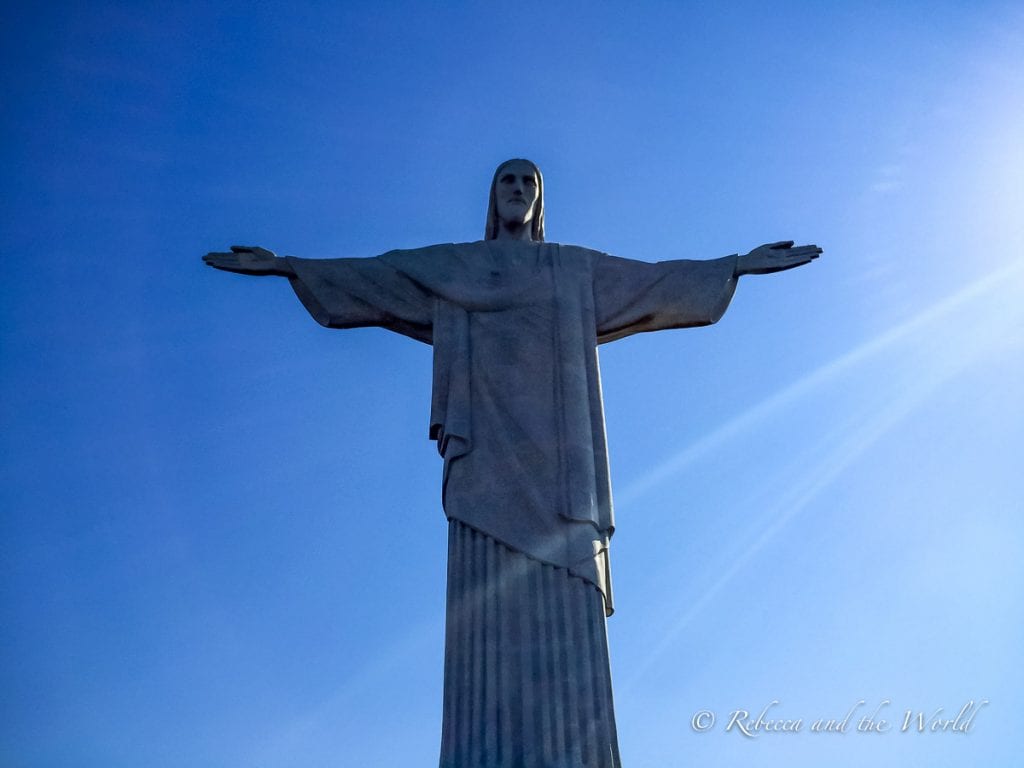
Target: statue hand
775,257
249,260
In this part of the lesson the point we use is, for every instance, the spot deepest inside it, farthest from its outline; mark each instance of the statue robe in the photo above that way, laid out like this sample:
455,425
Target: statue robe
518,419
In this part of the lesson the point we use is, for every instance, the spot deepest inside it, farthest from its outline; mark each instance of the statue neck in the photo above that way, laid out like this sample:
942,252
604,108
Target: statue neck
508,230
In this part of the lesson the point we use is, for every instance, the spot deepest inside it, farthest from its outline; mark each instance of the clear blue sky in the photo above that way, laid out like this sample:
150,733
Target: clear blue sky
222,542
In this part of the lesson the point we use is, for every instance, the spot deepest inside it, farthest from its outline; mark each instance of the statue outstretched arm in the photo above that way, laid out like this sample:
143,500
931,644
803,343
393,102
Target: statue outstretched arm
775,257
342,293
635,297
250,260
638,296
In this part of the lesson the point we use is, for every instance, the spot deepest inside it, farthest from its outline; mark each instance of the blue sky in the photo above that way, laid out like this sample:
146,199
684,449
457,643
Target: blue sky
221,526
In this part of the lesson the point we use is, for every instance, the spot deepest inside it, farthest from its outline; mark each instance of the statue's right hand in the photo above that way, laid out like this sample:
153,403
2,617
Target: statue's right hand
248,260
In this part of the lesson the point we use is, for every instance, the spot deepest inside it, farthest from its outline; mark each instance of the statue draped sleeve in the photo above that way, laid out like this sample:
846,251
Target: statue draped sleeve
637,296
353,293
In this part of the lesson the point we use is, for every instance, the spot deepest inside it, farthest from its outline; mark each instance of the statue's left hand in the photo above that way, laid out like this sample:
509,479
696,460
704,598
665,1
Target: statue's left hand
775,257
249,260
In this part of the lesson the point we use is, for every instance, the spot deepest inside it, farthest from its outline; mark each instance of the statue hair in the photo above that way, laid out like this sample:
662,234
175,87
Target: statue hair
536,224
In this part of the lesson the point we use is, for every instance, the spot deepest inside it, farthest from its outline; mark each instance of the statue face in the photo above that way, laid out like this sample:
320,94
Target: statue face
515,193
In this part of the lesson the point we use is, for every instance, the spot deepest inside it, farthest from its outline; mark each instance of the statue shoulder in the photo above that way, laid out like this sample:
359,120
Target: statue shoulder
437,264
579,252
425,251
428,253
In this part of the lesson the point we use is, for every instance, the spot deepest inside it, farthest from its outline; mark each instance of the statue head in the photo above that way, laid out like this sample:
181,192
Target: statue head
509,175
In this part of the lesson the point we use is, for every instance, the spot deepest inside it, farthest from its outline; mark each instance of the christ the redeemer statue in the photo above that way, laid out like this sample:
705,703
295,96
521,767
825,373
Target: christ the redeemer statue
518,419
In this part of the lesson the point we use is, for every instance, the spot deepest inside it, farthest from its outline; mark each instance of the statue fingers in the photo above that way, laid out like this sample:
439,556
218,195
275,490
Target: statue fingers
797,261
221,260
808,251
217,256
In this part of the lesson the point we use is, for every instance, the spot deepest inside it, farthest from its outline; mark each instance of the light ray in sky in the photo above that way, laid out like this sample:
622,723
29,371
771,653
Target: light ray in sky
985,335
843,364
